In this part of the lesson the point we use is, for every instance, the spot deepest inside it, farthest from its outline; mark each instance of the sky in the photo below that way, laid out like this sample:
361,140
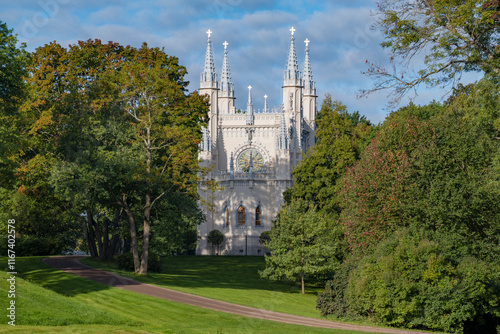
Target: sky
341,33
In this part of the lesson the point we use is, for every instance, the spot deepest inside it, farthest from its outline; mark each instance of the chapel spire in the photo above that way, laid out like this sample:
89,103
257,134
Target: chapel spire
208,76
292,73
309,84
225,81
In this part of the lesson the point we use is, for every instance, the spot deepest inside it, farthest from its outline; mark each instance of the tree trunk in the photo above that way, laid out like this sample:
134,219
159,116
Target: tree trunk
133,234
91,235
147,207
145,236
113,243
302,281
89,239
105,239
98,235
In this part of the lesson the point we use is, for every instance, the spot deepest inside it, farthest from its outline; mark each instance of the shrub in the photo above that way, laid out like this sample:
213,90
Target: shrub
32,246
125,261
332,299
265,237
216,238
414,282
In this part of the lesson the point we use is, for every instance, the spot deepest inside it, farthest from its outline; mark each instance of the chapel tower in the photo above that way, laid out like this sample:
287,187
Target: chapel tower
251,153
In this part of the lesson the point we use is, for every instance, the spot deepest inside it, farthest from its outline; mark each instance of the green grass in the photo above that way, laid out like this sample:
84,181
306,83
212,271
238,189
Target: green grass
231,279
51,301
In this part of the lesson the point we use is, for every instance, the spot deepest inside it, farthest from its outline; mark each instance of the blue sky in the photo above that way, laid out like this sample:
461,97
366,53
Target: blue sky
341,36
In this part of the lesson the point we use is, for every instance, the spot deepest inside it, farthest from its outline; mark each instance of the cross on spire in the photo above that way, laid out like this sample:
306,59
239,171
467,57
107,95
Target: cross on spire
225,44
292,29
249,87
209,32
307,42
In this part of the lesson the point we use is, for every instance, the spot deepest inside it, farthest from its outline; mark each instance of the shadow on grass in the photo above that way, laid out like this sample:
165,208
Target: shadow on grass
34,270
234,272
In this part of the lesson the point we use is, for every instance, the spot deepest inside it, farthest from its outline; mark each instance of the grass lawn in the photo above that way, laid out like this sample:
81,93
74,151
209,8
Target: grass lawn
227,278
51,301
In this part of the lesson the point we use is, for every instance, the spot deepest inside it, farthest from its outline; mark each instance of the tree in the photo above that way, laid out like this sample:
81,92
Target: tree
165,127
417,172
216,238
12,71
421,215
414,280
455,37
122,129
303,243
13,61
341,138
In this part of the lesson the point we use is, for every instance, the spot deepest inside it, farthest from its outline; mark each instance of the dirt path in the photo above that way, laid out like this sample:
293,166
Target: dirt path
72,265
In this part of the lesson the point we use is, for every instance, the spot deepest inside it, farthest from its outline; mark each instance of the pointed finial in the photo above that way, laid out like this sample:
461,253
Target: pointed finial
307,42
225,45
209,32
292,29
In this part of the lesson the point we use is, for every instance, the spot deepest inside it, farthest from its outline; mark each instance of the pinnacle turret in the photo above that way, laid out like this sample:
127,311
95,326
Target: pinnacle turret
307,78
282,135
249,112
226,86
292,73
205,144
208,76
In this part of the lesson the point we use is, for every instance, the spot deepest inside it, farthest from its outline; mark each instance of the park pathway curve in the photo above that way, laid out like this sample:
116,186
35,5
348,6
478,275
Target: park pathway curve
71,264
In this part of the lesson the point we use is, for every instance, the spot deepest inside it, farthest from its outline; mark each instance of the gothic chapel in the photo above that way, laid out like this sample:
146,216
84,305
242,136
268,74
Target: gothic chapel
251,153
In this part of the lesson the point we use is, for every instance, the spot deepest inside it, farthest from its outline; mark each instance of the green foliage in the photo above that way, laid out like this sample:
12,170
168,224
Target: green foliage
265,237
121,135
12,71
421,212
417,172
303,244
33,246
215,238
454,36
176,232
13,61
332,300
416,282
341,138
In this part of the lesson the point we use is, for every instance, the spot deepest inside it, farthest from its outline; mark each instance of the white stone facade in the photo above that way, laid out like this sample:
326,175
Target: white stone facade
251,154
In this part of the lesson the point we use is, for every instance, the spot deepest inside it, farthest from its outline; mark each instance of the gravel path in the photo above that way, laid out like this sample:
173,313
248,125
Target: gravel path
71,264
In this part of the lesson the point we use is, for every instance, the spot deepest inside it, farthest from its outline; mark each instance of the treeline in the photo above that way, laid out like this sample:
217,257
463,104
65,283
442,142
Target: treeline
98,144
412,208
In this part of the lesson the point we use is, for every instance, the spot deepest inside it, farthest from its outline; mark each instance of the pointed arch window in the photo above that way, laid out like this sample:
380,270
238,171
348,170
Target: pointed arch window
241,216
227,216
258,216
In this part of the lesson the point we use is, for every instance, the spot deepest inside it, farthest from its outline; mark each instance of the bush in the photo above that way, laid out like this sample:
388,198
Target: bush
216,238
265,237
332,299
125,261
32,246
413,282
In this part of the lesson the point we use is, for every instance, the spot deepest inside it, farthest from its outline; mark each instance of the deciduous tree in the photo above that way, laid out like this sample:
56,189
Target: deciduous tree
453,36
302,244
